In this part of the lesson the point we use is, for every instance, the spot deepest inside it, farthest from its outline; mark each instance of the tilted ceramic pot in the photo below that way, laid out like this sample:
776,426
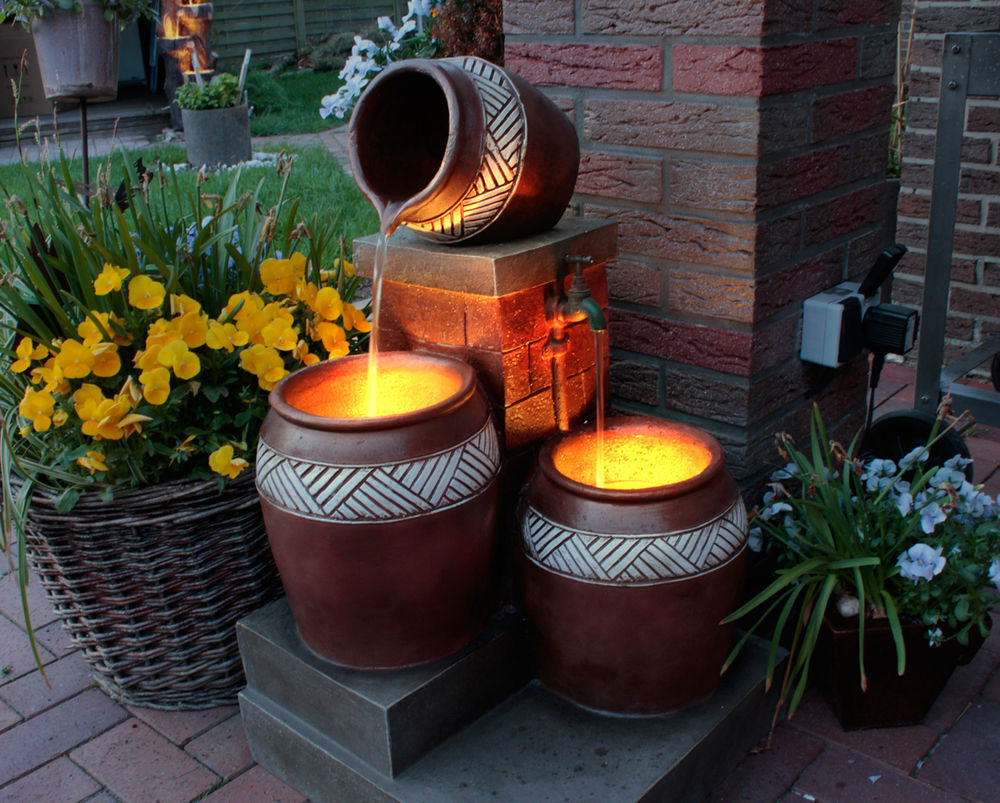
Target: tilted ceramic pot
460,149
382,527
627,583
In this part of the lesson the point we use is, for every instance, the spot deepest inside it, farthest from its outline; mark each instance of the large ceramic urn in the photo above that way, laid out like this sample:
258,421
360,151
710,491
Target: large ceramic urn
629,565
382,526
460,149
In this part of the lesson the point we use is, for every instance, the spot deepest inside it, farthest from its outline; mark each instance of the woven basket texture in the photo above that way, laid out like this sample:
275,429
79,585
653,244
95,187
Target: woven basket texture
151,585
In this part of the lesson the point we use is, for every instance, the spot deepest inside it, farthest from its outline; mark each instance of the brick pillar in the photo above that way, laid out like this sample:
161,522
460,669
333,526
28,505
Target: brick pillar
741,146
974,302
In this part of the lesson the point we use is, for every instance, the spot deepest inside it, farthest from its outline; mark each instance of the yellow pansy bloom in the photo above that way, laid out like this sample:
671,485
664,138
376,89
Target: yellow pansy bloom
37,406
327,304
303,355
355,319
93,461
225,336
145,293
74,359
192,327
333,338
51,375
183,304
109,279
27,352
106,360
281,275
60,417
242,304
278,334
155,384
90,328
132,423
100,416
221,461
180,359
306,291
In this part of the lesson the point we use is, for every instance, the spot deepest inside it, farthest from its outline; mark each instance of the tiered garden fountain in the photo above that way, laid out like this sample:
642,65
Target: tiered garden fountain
631,534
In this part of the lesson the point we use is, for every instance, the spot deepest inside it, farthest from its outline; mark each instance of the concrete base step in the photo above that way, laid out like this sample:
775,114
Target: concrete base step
533,746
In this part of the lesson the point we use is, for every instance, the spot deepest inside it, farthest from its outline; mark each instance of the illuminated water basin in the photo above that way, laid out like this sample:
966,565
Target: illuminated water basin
634,456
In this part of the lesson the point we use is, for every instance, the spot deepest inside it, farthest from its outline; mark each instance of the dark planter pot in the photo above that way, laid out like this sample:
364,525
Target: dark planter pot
77,53
627,586
382,528
217,136
460,149
890,699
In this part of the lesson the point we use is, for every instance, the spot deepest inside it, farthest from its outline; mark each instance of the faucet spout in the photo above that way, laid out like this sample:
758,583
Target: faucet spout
579,305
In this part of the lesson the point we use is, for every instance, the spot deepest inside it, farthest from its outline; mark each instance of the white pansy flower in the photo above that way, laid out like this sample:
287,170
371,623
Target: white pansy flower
921,562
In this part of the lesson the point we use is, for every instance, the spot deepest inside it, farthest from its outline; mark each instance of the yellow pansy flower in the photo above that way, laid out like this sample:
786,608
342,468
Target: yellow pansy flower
303,355
192,327
180,359
145,293
27,352
355,319
106,360
60,417
281,275
278,334
51,375
333,338
183,304
225,336
109,279
100,416
155,384
74,359
90,328
306,291
327,304
93,461
37,406
221,461
132,423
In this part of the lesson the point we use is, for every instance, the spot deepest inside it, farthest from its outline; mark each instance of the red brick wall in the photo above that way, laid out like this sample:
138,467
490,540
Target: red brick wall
974,303
741,146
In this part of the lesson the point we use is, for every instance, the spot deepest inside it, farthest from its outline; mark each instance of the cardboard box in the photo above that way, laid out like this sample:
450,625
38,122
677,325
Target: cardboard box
14,41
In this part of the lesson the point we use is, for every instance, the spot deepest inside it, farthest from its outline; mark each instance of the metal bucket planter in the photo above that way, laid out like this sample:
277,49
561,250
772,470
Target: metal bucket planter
217,136
77,53
382,527
627,583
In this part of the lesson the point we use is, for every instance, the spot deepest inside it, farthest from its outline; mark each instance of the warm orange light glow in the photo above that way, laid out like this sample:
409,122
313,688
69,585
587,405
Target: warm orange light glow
403,386
634,458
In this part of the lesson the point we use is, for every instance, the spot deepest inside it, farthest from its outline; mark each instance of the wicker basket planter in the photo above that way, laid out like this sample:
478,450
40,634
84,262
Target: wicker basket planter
151,585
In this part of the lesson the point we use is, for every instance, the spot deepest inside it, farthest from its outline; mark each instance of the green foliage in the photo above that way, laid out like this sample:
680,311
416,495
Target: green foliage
304,91
267,95
881,540
24,11
222,92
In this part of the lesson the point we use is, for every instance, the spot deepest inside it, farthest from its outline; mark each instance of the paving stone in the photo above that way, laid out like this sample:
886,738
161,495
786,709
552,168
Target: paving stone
55,639
965,683
966,759
45,736
224,748
255,784
768,774
991,691
39,606
845,776
137,763
56,781
17,653
30,694
8,716
181,726
900,747
104,796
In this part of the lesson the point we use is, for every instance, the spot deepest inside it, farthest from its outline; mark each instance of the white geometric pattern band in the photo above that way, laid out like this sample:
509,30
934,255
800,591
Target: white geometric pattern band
385,492
633,559
503,145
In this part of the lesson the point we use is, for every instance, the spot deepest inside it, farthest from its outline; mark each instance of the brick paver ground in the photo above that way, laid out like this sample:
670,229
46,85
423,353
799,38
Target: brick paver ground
71,742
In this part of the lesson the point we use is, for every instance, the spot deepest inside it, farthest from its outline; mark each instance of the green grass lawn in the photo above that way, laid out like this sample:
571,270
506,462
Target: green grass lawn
289,103
317,180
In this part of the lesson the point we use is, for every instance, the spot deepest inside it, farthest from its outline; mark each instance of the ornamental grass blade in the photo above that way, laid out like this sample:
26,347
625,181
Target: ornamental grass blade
859,586
787,576
746,636
897,631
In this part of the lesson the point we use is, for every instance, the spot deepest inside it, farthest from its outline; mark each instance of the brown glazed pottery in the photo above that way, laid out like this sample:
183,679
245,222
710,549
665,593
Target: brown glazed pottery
460,149
627,585
890,699
382,527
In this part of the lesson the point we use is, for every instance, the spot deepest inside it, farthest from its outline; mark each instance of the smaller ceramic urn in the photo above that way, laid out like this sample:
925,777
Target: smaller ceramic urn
461,150
628,567
382,527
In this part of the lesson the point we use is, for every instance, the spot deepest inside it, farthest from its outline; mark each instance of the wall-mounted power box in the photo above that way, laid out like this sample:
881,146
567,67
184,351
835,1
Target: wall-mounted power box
832,331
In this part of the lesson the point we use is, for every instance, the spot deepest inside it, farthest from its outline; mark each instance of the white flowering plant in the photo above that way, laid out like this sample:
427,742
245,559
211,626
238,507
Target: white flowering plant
872,539
414,38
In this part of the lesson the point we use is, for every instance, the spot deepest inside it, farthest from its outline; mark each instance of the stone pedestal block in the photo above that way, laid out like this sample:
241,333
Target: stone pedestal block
342,735
486,305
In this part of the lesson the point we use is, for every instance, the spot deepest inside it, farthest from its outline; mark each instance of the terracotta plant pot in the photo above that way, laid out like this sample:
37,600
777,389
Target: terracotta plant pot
627,584
462,150
891,699
77,53
217,136
382,527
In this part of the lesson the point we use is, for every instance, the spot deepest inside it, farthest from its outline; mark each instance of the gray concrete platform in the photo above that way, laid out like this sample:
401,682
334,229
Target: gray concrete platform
533,746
